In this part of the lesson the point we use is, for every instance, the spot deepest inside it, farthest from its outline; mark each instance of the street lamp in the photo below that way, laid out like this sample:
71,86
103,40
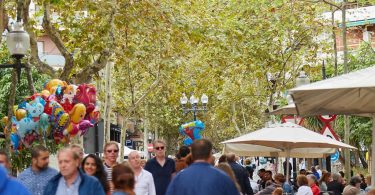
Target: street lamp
18,42
194,104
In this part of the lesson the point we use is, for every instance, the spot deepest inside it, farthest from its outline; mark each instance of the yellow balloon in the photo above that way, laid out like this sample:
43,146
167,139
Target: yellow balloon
20,114
77,113
4,120
45,93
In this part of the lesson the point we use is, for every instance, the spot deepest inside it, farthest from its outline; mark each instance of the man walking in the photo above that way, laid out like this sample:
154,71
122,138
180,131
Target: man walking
144,182
201,177
241,175
71,180
110,160
161,167
36,177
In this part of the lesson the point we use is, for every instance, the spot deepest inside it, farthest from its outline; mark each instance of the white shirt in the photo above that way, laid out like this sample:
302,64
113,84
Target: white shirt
304,190
319,172
144,184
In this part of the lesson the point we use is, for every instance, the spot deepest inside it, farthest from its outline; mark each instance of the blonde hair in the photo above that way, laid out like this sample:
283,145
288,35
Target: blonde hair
229,171
109,144
159,141
277,191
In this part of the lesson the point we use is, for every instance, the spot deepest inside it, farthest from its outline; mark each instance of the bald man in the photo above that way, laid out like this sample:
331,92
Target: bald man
144,182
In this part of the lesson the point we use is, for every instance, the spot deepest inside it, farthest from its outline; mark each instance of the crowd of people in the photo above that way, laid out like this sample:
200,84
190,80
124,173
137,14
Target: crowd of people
194,171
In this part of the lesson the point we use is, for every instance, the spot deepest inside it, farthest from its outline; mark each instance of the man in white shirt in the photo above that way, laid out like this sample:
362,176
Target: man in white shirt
144,182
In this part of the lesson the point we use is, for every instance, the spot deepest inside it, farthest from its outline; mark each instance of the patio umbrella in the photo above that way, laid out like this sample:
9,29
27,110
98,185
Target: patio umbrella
288,109
288,136
256,150
352,93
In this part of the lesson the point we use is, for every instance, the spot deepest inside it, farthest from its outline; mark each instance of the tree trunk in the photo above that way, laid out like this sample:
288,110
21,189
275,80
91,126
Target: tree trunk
234,118
334,40
11,101
123,138
108,102
346,118
30,81
3,17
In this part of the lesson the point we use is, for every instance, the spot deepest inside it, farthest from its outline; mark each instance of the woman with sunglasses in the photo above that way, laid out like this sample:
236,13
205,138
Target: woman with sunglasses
111,150
93,166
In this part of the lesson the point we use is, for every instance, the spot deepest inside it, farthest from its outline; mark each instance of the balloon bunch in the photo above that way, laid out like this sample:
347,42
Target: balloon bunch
60,112
192,130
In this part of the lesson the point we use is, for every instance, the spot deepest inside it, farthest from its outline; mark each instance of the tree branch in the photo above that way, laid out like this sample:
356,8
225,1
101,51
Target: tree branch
34,58
55,37
88,71
324,1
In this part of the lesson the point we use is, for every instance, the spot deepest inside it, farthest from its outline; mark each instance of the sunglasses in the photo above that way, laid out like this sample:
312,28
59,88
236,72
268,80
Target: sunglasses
112,151
159,148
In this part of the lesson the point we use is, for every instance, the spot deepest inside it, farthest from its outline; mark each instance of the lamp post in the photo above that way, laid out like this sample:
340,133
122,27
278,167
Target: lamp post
302,79
18,42
194,104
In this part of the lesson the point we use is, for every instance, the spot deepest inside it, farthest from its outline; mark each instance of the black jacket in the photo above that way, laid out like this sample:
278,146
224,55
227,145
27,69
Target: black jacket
242,178
335,187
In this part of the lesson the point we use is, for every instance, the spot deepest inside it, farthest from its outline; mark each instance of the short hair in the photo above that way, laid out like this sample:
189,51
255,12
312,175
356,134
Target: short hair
201,149
131,153
262,170
223,158
277,191
354,180
302,171
183,151
312,176
231,157
123,177
336,176
269,172
247,161
35,151
159,141
106,145
2,152
279,177
68,149
302,180
76,146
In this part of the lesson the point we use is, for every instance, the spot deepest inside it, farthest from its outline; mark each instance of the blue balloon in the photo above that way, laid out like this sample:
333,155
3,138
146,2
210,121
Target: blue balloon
188,141
192,130
15,140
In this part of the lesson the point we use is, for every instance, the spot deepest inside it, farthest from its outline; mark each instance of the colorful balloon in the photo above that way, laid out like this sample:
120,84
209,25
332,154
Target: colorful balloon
15,141
60,111
78,113
52,85
192,129
20,114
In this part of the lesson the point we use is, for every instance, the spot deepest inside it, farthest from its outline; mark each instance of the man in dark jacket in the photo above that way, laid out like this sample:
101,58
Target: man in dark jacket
241,175
71,180
335,186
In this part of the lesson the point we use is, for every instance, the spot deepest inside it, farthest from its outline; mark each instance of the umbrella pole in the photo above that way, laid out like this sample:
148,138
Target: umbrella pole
373,152
287,164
